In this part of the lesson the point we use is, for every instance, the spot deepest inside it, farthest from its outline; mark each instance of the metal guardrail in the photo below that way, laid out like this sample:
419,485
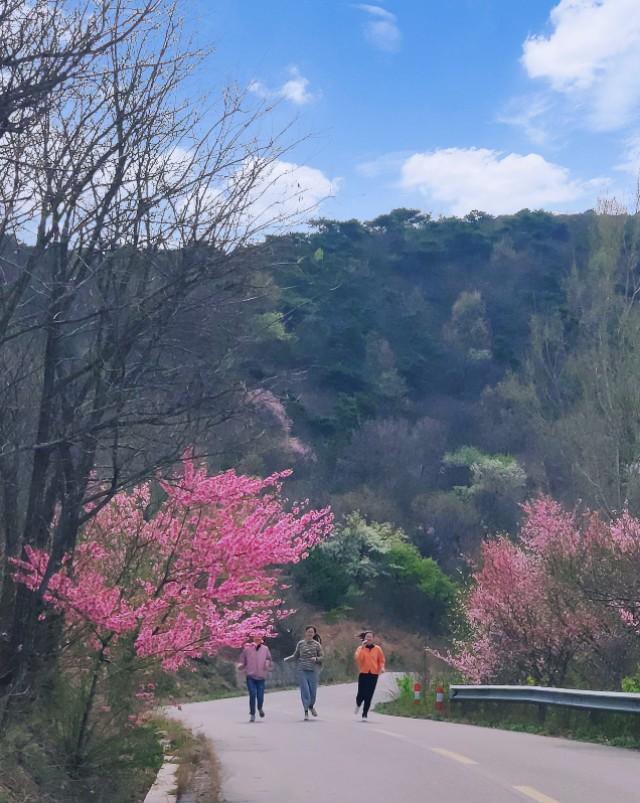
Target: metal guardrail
573,698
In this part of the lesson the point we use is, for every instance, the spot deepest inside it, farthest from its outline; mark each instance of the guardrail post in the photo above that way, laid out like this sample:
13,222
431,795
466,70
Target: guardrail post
417,692
425,675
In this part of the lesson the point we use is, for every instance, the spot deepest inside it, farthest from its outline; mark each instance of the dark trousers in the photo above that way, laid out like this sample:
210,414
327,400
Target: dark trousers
366,687
256,691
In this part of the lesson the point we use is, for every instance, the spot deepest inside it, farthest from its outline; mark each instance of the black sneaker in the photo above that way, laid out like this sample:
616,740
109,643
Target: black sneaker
261,712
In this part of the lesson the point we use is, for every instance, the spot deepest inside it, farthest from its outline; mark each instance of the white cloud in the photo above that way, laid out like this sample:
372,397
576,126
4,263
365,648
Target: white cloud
288,192
278,196
531,114
381,29
377,11
592,56
631,163
295,90
462,179
385,165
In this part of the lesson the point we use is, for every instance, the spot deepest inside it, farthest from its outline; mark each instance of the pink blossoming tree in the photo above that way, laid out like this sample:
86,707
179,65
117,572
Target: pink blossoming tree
607,568
527,613
198,573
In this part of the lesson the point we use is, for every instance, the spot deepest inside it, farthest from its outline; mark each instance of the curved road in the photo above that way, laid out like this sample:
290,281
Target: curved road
339,759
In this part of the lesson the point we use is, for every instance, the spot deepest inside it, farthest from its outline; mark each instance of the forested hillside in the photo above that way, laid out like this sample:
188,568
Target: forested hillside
435,373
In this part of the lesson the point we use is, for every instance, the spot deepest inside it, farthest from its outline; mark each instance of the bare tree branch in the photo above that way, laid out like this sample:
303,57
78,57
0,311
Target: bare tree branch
128,219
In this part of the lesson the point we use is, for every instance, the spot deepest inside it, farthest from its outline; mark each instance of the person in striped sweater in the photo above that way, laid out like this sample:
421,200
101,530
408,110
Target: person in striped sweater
308,656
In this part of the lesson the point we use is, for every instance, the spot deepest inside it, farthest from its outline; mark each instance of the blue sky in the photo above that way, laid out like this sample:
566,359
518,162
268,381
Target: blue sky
443,106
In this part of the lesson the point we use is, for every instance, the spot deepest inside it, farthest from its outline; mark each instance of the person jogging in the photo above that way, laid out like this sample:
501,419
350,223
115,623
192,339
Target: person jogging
308,656
256,662
370,661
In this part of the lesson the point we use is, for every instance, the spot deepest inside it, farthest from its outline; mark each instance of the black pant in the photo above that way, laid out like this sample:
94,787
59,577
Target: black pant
366,687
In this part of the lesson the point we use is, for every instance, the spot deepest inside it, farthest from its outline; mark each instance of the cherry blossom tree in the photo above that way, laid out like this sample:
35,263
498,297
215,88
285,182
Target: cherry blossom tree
526,618
199,574
607,568
159,583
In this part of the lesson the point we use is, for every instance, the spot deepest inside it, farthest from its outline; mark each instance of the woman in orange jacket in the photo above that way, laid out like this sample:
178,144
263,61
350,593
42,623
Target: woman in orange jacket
370,660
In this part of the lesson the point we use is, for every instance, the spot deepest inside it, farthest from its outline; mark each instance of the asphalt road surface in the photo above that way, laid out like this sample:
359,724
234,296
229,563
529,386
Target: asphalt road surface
337,758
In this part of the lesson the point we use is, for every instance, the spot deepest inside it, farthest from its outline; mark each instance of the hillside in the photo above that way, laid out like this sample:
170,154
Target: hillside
384,348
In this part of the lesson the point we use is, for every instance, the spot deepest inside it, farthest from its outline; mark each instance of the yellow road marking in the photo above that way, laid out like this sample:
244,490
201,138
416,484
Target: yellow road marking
529,791
455,756
390,733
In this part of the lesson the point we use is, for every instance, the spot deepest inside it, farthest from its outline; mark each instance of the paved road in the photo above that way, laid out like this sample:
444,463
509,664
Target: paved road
339,759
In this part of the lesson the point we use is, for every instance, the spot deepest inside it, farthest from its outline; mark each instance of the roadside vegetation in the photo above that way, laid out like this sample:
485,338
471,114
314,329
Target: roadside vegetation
35,758
198,774
616,730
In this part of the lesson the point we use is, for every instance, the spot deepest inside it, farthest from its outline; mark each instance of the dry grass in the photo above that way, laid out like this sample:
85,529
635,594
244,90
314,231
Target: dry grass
198,777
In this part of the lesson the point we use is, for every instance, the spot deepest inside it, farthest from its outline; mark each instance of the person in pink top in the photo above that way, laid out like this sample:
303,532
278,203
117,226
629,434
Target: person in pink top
256,662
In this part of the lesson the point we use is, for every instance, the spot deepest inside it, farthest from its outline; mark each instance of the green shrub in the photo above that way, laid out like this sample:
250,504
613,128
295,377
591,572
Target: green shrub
405,684
376,559
416,588
35,766
632,683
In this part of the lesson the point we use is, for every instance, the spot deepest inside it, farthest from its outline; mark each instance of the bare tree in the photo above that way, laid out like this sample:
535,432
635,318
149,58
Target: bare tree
44,44
125,221
580,402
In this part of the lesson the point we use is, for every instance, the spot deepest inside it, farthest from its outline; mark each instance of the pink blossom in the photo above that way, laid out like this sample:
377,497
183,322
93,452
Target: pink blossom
524,619
203,573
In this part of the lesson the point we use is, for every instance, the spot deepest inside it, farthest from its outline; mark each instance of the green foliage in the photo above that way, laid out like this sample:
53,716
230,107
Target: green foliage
632,683
468,328
471,457
576,399
380,326
270,326
467,456
406,565
323,582
39,757
405,686
495,486
348,564
497,475
376,560
417,588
